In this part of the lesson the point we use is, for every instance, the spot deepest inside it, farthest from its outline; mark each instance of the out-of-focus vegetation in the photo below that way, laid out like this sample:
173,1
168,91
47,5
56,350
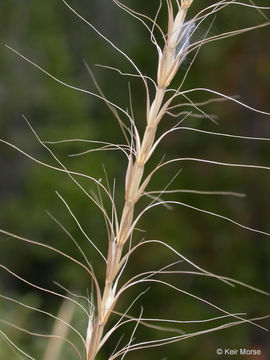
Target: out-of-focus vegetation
50,35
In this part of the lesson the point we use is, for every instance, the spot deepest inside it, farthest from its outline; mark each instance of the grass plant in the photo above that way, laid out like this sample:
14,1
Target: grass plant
177,46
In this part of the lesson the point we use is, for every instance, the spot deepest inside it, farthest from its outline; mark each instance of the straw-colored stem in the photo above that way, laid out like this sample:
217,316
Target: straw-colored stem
131,197
134,186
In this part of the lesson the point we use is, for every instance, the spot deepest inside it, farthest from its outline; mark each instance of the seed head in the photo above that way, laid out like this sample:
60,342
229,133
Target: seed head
184,39
185,4
176,46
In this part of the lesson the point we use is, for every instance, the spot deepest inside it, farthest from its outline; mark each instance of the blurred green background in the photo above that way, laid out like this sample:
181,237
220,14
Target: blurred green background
50,35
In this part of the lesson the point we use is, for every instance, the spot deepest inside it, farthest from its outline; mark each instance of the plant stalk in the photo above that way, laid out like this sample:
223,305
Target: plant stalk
134,186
